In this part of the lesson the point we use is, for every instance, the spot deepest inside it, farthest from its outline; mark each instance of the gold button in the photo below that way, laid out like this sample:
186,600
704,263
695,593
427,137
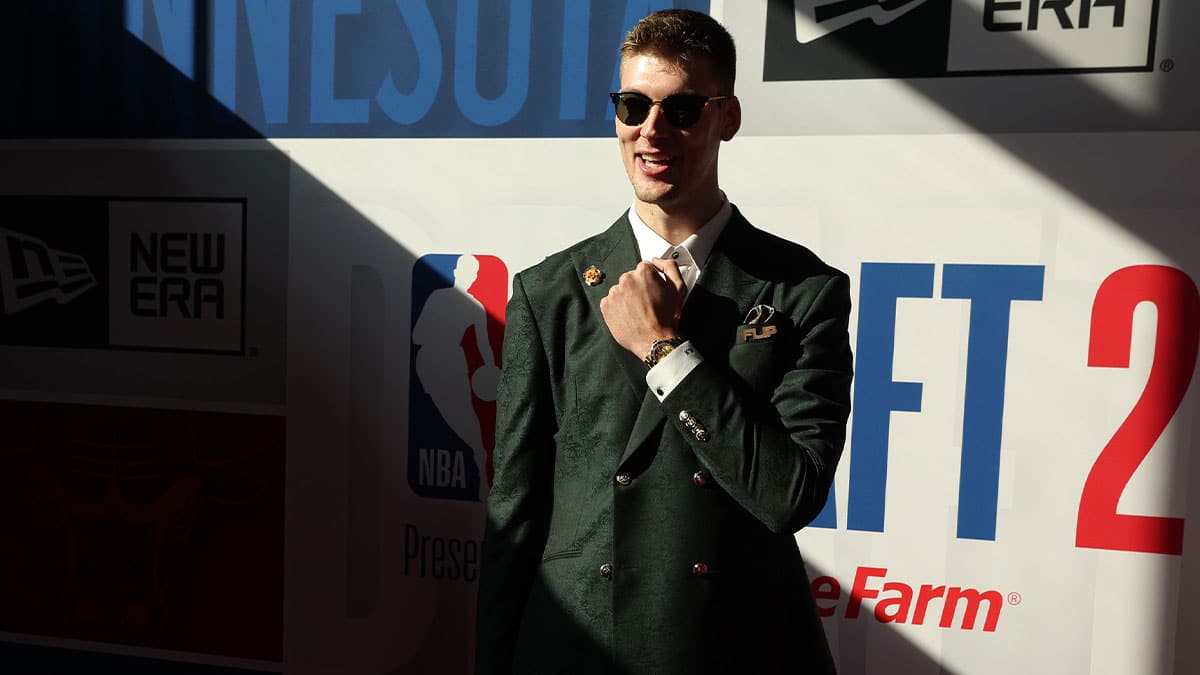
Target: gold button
685,416
624,479
700,478
700,569
606,571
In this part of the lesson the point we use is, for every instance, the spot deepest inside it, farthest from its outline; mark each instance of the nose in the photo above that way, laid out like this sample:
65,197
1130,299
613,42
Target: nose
652,125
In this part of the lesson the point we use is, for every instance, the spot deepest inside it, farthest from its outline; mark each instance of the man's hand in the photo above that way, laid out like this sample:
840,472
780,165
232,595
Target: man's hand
645,305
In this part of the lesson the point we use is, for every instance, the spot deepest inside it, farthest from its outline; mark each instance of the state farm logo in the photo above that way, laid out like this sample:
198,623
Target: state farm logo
176,274
843,39
457,331
916,604
33,273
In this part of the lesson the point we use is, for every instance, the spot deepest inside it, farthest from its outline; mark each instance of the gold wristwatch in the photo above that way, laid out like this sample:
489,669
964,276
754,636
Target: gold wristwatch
659,350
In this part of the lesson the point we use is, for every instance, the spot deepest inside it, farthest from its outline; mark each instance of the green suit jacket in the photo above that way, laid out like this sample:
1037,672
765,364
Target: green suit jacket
621,539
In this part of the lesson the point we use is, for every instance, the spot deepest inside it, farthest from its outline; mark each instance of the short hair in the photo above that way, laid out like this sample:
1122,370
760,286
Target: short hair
685,35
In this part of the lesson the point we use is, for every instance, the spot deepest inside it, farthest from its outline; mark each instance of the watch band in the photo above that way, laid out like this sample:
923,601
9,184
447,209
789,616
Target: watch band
659,350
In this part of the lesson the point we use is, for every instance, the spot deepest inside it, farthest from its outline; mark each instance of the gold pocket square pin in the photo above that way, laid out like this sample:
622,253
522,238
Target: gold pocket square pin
756,325
760,314
751,333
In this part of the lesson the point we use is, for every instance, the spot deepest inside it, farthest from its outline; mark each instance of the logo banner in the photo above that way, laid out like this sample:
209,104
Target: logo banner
846,39
457,328
122,273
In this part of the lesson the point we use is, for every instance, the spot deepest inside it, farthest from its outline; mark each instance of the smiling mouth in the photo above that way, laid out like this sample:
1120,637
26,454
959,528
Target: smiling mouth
654,163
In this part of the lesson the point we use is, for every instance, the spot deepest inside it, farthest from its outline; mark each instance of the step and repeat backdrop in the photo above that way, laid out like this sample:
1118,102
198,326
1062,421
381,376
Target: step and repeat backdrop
254,258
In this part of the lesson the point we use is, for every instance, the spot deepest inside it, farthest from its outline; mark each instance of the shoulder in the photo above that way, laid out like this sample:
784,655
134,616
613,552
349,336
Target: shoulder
772,257
554,266
561,270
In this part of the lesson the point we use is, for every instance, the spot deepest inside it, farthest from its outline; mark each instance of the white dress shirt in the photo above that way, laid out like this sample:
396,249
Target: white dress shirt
690,255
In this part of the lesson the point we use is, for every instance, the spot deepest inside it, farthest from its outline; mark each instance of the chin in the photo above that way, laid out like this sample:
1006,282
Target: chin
659,194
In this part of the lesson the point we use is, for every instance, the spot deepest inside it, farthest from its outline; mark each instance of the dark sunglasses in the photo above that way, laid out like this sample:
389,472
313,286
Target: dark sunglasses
681,110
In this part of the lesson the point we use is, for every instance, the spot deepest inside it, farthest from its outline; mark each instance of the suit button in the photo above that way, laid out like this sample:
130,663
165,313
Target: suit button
685,416
624,479
700,479
700,569
606,571
702,435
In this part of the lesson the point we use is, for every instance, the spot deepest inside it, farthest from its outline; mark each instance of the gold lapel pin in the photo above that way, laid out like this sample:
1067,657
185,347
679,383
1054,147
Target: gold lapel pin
592,276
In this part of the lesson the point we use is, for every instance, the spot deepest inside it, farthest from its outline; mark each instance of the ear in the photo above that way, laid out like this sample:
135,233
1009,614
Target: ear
731,120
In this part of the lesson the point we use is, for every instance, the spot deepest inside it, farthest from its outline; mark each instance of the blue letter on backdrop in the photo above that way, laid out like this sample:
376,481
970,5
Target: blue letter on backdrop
324,107
991,290
876,395
411,107
176,23
176,27
135,18
224,52
269,22
482,111
572,96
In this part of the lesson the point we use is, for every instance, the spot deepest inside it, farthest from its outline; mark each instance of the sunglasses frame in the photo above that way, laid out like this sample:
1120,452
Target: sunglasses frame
619,97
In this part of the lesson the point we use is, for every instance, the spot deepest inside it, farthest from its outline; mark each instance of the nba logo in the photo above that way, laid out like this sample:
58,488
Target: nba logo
457,331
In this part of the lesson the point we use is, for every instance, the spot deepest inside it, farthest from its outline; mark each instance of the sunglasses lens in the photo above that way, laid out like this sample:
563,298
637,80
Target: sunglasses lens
632,109
682,110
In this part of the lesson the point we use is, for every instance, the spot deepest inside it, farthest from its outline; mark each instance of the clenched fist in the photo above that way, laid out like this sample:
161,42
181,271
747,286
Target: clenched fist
645,305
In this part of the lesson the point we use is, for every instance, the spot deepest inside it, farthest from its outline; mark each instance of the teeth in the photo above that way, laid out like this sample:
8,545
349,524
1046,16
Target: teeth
655,160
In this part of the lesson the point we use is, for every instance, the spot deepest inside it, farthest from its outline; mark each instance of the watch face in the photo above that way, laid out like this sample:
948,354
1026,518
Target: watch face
659,350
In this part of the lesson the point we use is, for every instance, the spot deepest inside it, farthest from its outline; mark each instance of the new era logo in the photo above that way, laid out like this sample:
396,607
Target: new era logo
32,273
844,39
817,18
167,273
176,278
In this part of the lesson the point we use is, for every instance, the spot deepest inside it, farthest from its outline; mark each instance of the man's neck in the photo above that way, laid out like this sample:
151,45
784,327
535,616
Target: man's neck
676,223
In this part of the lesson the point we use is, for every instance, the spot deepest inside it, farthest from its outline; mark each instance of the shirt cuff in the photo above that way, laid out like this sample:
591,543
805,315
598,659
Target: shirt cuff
670,371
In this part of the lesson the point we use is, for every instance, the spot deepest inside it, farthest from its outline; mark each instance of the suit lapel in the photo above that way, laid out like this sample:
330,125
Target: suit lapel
614,252
711,315
726,291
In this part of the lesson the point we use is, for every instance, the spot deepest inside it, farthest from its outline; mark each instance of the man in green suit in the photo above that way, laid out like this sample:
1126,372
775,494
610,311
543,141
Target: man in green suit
671,411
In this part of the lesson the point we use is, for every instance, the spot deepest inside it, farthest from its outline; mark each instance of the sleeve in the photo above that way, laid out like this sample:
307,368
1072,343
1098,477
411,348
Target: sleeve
664,377
776,452
515,531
